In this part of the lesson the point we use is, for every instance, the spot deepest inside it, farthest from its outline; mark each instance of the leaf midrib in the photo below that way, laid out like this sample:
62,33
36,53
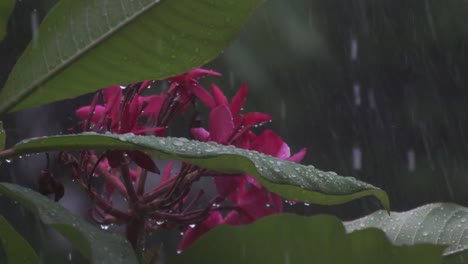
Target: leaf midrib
81,52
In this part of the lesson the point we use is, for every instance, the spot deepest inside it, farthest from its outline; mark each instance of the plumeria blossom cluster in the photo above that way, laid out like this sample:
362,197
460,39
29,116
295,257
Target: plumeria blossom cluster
170,204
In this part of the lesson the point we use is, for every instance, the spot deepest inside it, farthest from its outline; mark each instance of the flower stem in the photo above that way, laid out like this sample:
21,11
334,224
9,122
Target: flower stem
133,233
109,178
141,182
132,195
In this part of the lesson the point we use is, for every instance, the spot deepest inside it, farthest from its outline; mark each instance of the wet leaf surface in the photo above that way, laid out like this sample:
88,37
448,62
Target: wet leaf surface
285,238
438,223
290,180
97,245
17,249
83,46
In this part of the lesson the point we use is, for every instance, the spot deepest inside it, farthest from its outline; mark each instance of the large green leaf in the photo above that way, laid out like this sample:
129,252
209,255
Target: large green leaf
285,238
439,223
290,180
6,8
17,249
85,45
97,245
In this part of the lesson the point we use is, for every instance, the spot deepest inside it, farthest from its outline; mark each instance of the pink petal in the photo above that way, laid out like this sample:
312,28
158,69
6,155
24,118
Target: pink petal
193,74
144,85
245,140
199,73
221,124
253,181
153,105
112,95
298,156
284,152
268,143
215,218
130,116
200,134
255,118
252,206
238,100
112,99
203,95
85,111
134,174
227,185
219,96
149,131
257,203
172,88
234,218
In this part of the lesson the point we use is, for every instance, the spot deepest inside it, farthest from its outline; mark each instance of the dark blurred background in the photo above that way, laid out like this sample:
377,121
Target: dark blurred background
374,89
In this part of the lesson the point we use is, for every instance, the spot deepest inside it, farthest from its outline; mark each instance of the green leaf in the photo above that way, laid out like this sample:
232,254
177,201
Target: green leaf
290,180
16,247
285,238
6,8
95,244
439,223
2,136
83,46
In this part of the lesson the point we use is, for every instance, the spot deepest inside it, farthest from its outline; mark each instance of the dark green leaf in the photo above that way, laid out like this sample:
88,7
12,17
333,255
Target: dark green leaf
17,249
95,244
6,8
439,223
284,238
290,180
85,45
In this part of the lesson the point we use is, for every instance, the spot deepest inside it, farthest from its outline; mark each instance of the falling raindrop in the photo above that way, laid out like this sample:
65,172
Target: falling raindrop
357,158
357,93
34,27
411,156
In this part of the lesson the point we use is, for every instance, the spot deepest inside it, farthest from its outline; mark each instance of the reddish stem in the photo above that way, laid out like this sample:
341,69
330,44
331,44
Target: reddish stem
132,196
108,177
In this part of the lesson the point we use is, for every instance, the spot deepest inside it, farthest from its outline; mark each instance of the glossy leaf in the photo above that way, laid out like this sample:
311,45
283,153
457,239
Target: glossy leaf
97,245
439,223
17,249
83,46
6,8
285,238
2,136
290,180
